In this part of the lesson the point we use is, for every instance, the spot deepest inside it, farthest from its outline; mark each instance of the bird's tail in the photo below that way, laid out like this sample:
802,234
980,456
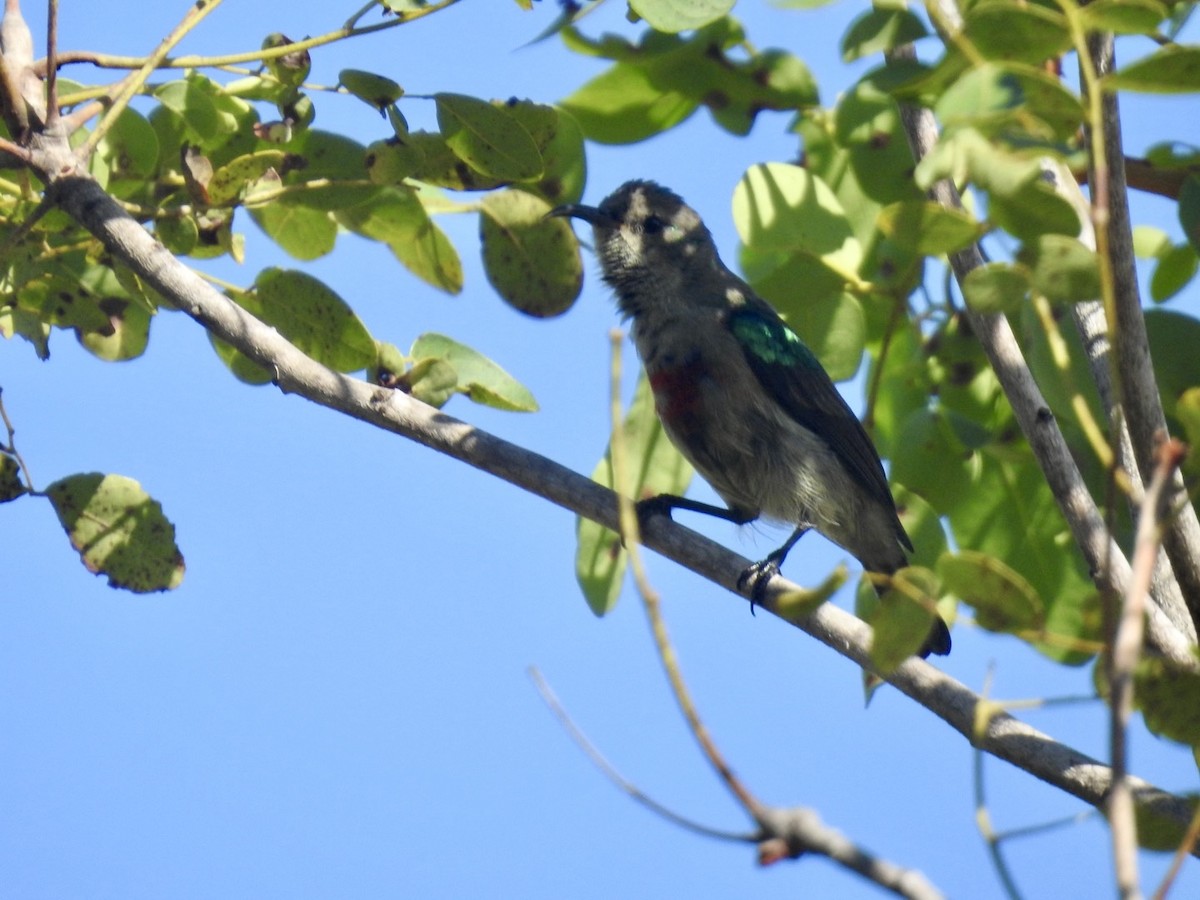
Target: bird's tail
938,641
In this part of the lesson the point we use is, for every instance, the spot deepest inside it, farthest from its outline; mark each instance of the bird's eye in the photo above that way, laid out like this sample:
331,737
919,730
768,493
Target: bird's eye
653,225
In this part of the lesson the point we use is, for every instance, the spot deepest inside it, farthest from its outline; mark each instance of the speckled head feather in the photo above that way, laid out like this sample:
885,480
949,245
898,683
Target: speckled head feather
648,242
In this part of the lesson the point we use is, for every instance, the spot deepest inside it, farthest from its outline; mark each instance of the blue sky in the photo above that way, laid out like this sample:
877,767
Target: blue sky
336,703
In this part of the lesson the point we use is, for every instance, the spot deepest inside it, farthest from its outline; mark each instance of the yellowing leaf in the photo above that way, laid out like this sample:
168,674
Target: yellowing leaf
119,531
478,377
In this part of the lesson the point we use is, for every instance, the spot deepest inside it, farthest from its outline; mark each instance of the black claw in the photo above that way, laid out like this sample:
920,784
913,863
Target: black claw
757,577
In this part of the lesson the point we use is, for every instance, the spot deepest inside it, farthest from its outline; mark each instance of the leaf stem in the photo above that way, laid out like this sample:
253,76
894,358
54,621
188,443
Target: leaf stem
108,61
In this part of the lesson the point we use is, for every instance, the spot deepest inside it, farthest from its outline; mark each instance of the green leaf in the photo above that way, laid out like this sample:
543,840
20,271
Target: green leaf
1158,828
487,138
833,327
672,16
532,262
478,377
1002,599
241,366
1149,242
923,525
796,605
1124,16
1061,268
1174,337
785,215
867,126
436,164
398,218
905,387
996,98
1176,268
660,82
323,154
1173,69
124,335
880,29
119,531
130,148
1189,210
195,107
1033,209
300,230
229,180
11,486
903,616
929,228
291,69
657,468
1169,700
981,477
1017,32
1187,411
626,104
996,288
432,381
391,161
311,316
539,119
1173,155
377,91
565,170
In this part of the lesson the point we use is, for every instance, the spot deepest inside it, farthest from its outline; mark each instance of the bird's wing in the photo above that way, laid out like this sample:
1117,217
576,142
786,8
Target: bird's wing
795,378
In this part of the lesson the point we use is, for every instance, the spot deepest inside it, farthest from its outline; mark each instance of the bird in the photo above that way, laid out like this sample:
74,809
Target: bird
739,393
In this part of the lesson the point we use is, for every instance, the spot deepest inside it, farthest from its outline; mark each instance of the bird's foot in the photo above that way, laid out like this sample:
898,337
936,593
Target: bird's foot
648,508
756,577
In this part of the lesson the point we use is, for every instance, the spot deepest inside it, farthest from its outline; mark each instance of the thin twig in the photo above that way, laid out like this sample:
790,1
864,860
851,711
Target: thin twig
610,771
52,64
1186,847
352,22
650,600
77,118
21,153
1126,649
195,61
983,821
198,12
11,447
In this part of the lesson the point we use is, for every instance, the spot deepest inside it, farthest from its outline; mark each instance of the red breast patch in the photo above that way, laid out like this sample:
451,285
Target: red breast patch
677,391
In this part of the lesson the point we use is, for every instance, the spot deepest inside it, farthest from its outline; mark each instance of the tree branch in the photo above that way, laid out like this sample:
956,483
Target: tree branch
1092,327
781,834
1106,563
1003,735
1141,401
1125,650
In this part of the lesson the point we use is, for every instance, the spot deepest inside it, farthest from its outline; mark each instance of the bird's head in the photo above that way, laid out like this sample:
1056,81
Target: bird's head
649,243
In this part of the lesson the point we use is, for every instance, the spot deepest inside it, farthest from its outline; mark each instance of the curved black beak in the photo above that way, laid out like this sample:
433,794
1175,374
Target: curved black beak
590,214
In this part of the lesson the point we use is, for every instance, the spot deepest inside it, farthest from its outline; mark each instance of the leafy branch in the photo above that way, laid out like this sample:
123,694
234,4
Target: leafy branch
1003,735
